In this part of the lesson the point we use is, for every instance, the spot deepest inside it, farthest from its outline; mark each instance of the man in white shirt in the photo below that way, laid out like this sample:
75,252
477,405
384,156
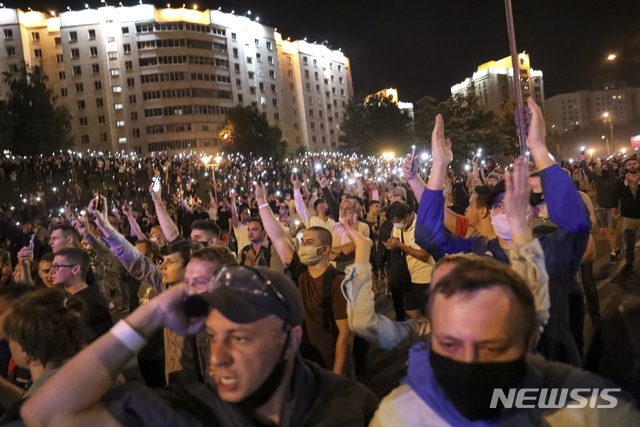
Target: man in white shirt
419,262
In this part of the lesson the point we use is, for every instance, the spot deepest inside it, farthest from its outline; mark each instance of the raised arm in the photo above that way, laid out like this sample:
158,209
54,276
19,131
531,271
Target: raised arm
587,170
357,289
272,227
413,178
536,138
133,223
25,258
525,255
169,228
430,230
332,203
234,210
297,198
136,264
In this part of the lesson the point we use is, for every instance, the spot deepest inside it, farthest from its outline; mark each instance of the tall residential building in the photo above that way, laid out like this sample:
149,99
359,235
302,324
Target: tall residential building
493,82
145,79
584,109
316,86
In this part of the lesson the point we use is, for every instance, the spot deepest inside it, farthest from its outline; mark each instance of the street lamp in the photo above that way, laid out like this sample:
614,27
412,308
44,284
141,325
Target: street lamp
611,57
591,153
609,118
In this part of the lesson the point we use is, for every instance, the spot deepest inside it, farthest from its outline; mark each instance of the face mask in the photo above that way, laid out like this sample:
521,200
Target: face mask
309,255
605,173
470,386
501,226
400,225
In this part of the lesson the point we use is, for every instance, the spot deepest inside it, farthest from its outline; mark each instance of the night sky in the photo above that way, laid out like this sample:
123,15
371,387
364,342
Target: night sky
424,47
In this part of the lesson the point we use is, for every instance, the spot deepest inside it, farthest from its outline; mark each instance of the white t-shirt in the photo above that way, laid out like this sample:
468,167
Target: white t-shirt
420,271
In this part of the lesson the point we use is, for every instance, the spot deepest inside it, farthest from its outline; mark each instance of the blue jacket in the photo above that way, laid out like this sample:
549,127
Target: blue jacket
563,250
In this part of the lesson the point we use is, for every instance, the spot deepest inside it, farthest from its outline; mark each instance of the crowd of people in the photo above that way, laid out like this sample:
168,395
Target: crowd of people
247,290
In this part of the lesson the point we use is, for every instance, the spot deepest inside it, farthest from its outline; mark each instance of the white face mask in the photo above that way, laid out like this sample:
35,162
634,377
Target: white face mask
309,255
400,225
501,226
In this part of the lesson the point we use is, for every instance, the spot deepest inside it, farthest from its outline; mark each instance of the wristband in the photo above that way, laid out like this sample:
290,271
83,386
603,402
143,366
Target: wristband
263,206
128,336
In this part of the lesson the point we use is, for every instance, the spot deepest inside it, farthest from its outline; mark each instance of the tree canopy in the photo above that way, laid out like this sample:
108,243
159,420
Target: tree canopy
30,122
375,125
469,126
246,130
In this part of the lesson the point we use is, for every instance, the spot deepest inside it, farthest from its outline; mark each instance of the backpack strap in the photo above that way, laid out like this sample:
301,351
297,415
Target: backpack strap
327,298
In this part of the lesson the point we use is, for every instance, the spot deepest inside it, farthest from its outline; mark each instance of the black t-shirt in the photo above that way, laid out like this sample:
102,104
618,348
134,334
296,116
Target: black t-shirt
96,313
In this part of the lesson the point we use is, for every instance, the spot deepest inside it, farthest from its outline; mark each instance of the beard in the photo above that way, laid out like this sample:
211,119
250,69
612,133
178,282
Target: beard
632,170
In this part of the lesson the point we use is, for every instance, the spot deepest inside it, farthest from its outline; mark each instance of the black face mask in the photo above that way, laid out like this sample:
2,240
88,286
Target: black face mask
469,386
536,199
605,173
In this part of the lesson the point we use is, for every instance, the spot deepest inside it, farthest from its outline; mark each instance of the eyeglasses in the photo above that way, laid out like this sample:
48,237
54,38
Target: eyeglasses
58,266
246,279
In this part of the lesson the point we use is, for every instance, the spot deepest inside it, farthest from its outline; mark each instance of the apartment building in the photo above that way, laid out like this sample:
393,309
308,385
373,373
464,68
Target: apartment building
586,108
145,79
493,82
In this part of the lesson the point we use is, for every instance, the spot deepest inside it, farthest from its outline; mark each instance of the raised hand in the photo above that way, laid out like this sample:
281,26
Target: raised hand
25,254
407,168
536,137
260,191
156,190
516,197
440,147
295,182
322,180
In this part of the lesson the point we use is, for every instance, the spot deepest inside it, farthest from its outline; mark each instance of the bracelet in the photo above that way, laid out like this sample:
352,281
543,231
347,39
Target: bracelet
128,336
263,206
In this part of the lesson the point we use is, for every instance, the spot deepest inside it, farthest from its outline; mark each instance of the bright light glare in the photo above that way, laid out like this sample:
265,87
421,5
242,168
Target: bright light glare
611,57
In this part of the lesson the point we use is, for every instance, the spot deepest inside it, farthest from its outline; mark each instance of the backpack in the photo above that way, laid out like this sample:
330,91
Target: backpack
329,321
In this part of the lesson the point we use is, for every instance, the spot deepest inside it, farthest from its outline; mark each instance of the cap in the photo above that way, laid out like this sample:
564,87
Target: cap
242,303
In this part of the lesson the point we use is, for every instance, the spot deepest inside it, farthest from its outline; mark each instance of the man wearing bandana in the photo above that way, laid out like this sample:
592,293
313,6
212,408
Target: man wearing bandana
606,185
563,248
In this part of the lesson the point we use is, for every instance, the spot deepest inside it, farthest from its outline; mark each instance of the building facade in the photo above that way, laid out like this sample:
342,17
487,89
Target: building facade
145,79
585,109
493,82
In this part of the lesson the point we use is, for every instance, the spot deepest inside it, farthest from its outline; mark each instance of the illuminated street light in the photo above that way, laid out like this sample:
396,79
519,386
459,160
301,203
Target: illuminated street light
611,57
591,152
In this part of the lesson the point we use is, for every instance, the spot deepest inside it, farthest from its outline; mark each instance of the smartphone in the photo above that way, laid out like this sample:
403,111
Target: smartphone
156,183
33,237
100,203
414,166
583,150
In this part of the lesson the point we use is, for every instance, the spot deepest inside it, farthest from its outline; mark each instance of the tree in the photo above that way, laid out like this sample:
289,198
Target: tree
246,130
469,125
30,122
374,125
